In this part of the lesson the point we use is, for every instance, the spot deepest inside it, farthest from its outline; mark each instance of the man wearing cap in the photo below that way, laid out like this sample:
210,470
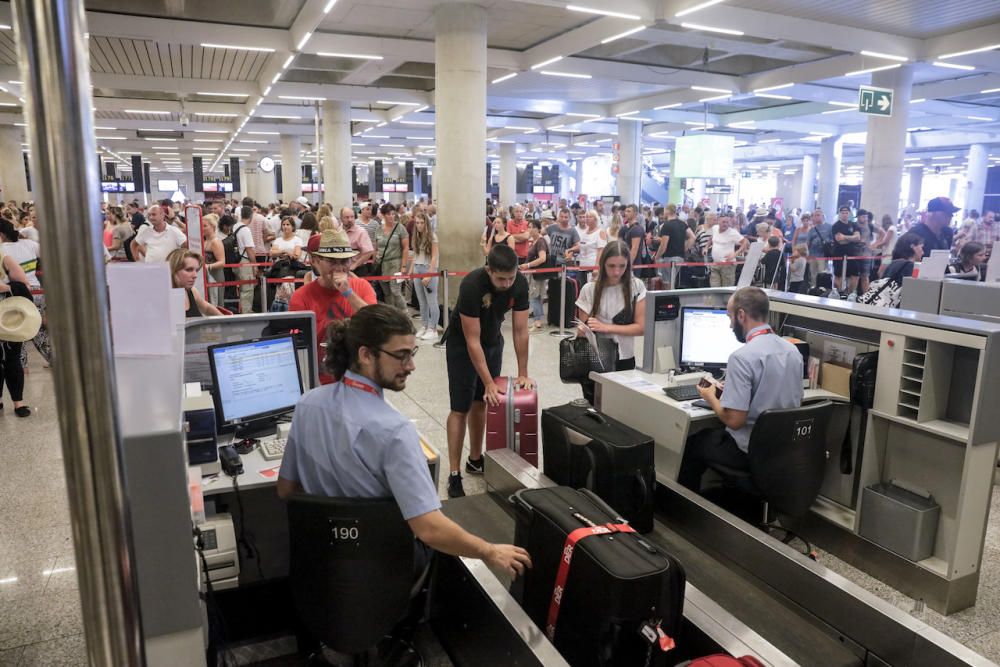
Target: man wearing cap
936,229
337,294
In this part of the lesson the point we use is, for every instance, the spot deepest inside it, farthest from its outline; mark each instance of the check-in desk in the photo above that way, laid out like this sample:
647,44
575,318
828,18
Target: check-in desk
934,426
957,298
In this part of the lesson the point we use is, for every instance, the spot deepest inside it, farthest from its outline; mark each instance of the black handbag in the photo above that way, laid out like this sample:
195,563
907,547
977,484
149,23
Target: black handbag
577,358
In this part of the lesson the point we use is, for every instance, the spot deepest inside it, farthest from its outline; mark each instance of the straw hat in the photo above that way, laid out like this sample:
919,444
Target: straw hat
19,319
334,244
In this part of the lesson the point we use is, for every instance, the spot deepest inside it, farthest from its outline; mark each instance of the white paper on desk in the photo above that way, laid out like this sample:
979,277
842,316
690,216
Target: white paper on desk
141,316
933,267
639,384
592,339
993,267
839,353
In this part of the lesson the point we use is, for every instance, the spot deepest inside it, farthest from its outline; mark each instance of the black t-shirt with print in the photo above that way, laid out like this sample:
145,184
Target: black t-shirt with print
478,298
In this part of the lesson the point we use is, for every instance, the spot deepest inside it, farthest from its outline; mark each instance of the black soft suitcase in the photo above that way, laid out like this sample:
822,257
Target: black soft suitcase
556,301
622,599
585,449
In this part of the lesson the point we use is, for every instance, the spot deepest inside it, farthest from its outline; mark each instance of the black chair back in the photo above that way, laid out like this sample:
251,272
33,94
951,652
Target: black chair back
788,456
351,568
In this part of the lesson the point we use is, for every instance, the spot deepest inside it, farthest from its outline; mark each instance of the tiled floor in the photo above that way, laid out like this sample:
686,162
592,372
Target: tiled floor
39,608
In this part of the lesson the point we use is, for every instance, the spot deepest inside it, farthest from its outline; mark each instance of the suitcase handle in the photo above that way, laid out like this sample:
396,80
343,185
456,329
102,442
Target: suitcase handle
643,487
596,416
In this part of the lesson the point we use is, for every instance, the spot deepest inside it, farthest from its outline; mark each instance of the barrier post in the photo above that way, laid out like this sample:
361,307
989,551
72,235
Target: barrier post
443,290
561,333
673,275
843,272
788,270
263,292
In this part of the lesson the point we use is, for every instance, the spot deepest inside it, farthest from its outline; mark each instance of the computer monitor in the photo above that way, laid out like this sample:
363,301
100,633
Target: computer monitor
707,339
254,382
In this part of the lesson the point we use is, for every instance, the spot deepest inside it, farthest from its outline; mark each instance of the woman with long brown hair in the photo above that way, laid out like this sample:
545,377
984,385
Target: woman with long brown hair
424,259
614,305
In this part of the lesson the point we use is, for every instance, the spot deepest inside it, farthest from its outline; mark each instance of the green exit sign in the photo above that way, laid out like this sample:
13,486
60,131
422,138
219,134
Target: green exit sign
875,101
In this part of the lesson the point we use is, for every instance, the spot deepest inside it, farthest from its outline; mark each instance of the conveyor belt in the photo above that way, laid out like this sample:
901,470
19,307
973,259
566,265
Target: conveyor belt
800,641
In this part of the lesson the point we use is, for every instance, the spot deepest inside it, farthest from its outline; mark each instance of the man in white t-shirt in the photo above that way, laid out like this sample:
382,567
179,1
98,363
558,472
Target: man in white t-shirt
727,243
157,239
248,255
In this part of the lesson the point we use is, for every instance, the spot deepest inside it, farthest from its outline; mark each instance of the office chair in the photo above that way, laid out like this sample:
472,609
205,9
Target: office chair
351,571
788,453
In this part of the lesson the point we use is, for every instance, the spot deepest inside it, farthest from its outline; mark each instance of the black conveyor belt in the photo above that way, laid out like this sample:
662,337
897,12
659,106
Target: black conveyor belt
797,636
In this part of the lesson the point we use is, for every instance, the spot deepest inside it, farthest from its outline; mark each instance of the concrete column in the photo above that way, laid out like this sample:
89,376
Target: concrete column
337,153
952,188
578,176
698,187
291,168
460,108
264,188
975,178
807,190
916,182
13,180
789,188
630,160
508,174
830,151
674,193
886,145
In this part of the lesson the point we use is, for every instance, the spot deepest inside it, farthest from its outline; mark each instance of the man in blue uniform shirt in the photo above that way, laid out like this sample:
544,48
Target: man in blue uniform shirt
347,442
764,374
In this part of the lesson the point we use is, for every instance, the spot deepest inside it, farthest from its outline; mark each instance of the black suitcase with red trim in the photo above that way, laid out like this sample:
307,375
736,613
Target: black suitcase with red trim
619,588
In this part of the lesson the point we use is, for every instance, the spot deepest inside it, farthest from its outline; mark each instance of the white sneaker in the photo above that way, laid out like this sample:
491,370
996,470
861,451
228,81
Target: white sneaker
430,334
422,332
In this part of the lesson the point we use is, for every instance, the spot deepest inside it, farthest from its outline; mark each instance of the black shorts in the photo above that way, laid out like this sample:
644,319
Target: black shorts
464,383
853,267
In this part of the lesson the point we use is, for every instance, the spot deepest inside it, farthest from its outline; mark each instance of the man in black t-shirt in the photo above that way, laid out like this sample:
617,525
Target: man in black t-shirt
848,241
676,238
475,352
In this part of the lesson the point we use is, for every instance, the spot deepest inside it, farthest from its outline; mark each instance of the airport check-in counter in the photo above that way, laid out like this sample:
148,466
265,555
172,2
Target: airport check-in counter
934,428
954,297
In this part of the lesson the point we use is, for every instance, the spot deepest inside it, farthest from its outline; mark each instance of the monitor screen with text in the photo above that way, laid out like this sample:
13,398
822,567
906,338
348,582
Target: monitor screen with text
706,337
255,379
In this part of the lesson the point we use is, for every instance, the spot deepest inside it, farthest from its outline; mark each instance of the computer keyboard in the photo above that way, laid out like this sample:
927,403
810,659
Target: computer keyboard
272,449
682,392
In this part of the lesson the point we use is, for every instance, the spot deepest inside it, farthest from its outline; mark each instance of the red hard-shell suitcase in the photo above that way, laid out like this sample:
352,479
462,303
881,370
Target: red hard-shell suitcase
723,660
514,423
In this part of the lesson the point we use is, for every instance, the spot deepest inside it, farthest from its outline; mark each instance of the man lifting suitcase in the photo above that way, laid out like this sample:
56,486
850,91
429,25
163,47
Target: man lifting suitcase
475,352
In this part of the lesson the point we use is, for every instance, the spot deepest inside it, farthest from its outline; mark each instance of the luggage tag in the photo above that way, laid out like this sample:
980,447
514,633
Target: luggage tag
654,634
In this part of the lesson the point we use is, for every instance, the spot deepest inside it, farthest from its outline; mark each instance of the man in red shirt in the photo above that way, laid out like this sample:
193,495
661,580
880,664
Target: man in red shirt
337,293
518,228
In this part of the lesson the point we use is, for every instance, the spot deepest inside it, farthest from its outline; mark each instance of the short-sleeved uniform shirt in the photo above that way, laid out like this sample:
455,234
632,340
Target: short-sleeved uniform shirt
328,305
561,240
764,374
347,442
478,298
160,244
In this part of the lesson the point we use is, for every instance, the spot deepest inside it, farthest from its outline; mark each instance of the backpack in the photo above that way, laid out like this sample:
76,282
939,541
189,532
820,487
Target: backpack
232,248
864,372
882,292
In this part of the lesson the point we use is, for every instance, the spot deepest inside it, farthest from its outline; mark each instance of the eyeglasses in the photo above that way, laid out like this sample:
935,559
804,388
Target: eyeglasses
403,356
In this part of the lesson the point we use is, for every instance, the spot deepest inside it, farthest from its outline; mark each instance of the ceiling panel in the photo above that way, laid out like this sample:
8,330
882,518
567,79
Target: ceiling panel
909,18
262,13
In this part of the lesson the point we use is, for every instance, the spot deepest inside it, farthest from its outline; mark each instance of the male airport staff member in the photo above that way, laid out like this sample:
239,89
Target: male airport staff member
475,352
764,374
347,442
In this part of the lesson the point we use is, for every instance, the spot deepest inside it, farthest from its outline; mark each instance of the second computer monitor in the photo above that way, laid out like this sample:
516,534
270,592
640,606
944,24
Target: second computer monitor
707,339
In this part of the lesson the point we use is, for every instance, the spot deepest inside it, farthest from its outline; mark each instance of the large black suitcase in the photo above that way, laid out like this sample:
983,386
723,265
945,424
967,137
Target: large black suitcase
584,449
617,583
556,301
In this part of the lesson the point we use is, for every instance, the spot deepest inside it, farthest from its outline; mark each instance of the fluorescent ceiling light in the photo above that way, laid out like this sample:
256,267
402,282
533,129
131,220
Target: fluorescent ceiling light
377,136
580,115
517,127
838,111
283,117
8,104
329,6
97,127
504,77
235,47
357,56
667,106
394,103
965,53
225,94
569,75
547,62
844,104
768,141
158,113
111,137
709,28
773,97
416,122
706,89
623,34
692,10
627,113
978,118
208,141
636,118
742,123
248,132
602,141
253,141
872,69
989,90
717,97
887,56
302,42
288,61
603,12
302,97
415,138
221,115
764,90
918,100
158,139
393,145
966,68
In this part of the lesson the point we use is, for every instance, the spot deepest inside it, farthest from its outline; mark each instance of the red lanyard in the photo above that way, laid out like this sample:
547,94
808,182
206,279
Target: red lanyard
761,332
354,384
